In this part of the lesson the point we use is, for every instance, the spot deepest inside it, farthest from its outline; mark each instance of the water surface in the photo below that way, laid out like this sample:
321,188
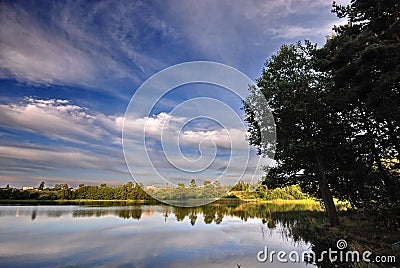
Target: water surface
143,236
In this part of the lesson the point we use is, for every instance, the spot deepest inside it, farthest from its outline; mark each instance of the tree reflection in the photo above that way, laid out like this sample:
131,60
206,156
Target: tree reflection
299,223
34,215
135,213
212,213
193,218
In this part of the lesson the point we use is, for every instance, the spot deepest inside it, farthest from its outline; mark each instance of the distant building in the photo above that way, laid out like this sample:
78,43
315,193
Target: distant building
28,188
151,187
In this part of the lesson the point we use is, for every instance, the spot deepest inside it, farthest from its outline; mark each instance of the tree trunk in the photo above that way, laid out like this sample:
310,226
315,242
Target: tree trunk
393,137
326,193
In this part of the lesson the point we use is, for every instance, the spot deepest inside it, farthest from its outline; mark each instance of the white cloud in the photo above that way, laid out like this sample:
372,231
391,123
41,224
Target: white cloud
175,151
30,53
64,50
90,136
190,147
65,157
59,119
224,138
297,31
277,9
171,128
155,125
105,45
239,32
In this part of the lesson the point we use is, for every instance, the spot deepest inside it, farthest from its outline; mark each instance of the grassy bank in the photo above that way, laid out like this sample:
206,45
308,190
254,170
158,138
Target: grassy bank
340,205
281,201
360,232
223,200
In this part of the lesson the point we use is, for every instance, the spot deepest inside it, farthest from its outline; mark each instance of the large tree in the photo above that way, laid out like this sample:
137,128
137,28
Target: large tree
363,59
307,131
337,110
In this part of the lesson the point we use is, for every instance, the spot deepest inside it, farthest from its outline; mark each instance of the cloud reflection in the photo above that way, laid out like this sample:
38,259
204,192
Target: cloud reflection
138,236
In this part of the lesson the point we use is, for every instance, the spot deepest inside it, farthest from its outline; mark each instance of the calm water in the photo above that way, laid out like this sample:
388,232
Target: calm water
143,236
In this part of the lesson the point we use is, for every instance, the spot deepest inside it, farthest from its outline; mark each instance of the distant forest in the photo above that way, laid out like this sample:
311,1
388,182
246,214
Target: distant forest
131,191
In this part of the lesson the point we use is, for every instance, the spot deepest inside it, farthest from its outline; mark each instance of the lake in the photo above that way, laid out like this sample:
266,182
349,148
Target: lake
148,236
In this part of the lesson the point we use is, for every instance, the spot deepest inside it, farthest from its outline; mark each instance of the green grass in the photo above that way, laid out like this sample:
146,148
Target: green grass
232,197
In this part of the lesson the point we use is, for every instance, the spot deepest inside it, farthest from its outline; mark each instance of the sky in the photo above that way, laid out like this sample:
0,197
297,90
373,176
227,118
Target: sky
68,71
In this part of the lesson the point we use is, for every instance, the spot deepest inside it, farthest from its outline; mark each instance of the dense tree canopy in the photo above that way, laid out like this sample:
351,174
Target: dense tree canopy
305,128
363,59
337,110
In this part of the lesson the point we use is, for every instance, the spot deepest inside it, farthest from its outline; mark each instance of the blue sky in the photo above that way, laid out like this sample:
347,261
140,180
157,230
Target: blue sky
68,71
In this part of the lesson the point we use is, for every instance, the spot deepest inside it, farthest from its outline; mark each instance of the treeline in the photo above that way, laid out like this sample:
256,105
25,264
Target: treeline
129,191
192,195
291,192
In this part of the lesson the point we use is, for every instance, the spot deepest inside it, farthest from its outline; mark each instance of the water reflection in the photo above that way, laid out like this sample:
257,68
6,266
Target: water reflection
215,235
212,213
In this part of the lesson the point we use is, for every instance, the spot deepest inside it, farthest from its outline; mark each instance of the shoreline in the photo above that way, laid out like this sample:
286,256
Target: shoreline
151,202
